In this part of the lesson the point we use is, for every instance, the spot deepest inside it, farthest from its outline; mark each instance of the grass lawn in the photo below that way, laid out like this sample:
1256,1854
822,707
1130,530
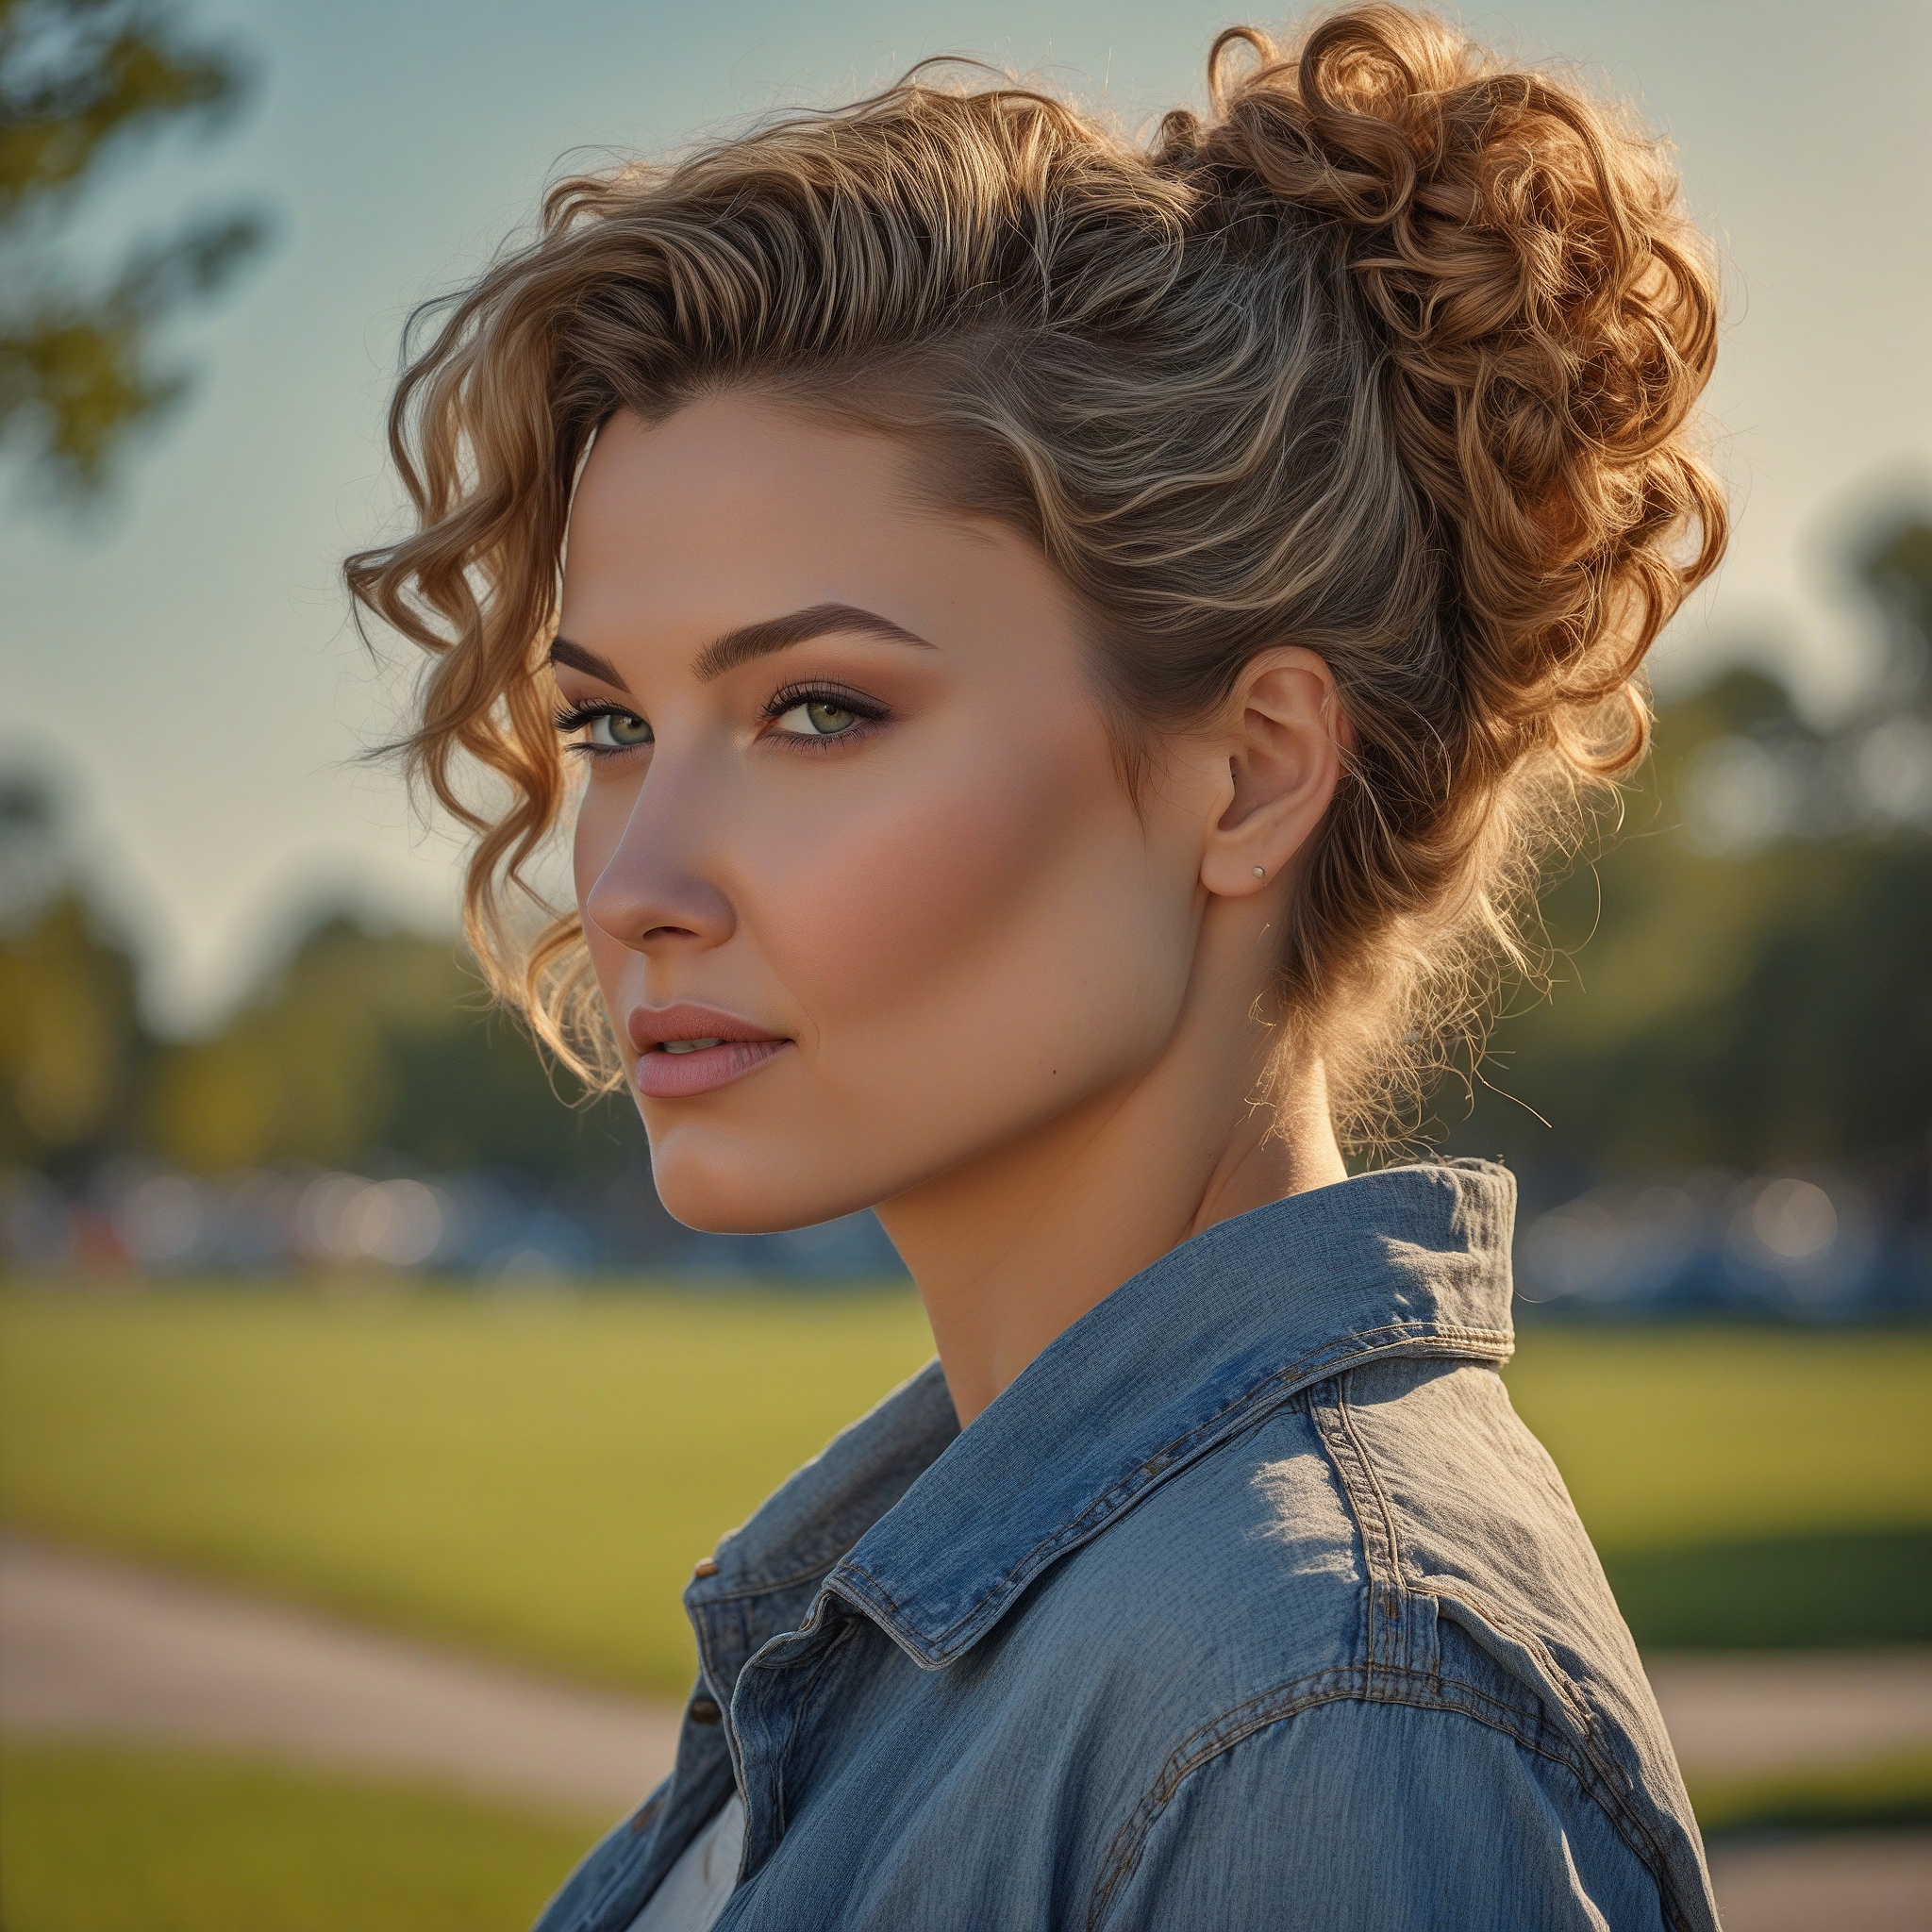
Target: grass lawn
1882,1793
1746,1485
536,1479
531,1476
98,1839
1676,1435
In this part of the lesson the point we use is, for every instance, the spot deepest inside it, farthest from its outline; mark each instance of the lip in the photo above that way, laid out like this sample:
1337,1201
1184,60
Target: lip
742,1047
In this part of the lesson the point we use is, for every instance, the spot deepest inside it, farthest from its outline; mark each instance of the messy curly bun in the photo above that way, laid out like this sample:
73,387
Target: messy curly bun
1393,354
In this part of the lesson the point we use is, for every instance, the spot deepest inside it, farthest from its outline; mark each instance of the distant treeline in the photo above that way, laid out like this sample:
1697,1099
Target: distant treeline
1742,975
365,1049
1744,978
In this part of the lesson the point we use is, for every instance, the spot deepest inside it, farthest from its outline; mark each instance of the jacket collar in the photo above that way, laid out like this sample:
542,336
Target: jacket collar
933,1532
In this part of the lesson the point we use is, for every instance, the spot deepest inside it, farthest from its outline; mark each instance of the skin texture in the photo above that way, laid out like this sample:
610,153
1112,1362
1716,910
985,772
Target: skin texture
1020,1012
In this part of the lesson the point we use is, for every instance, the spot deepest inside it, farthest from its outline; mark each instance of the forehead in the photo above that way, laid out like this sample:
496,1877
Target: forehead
750,481
735,453
738,509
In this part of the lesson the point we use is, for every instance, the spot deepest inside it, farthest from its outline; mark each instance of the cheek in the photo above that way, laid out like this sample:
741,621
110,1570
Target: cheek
968,871
898,891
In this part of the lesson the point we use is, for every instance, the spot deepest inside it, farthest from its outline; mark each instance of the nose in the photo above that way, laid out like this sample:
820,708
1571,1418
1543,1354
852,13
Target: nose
652,889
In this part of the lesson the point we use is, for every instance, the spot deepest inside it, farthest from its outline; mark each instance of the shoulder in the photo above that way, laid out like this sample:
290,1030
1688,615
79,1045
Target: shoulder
1295,1544
1388,1814
1393,1533
1345,1524
1377,1598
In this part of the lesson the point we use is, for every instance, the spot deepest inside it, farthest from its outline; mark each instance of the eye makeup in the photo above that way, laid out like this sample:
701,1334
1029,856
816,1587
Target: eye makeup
829,714
613,720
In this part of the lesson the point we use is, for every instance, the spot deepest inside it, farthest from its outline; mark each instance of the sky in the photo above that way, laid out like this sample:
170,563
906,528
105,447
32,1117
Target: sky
181,662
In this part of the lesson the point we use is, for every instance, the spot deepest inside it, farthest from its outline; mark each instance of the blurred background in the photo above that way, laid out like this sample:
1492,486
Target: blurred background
363,1411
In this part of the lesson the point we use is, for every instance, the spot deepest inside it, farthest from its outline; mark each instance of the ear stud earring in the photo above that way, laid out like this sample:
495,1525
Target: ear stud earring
1261,871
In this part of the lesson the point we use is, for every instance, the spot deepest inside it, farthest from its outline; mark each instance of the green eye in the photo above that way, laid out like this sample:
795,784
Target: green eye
816,718
618,731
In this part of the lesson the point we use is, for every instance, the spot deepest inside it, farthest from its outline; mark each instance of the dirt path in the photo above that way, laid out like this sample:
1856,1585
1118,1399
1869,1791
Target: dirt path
95,1648
1733,1714
1860,1882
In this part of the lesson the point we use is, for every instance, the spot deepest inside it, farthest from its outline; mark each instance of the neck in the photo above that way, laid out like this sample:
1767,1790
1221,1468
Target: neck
1013,1247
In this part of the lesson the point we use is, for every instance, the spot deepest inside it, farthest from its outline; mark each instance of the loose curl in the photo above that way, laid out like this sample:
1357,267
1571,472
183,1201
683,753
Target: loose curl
1395,355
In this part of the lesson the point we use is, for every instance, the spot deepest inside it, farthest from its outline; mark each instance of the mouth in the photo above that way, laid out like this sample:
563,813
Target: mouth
687,1049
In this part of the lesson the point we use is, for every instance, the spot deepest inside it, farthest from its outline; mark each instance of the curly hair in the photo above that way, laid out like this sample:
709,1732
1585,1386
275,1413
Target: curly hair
1394,353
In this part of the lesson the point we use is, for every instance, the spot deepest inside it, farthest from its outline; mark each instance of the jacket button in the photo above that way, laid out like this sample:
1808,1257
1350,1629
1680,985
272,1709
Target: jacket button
704,1712
704,1566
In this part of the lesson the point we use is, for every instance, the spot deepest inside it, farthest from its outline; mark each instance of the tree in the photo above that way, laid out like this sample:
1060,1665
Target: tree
80,82
70,1038
1895,569
1744,1003
367,1046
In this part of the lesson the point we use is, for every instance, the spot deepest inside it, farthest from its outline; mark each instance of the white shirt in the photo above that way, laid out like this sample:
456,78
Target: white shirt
692,1893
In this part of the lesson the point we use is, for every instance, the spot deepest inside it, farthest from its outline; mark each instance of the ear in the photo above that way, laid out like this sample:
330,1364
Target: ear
1287,741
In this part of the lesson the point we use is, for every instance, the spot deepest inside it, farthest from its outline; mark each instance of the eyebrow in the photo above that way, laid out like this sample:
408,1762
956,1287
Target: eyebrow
741,646
563,652
753,640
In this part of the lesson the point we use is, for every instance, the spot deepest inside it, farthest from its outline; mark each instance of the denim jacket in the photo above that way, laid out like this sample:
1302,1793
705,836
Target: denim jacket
1250,1603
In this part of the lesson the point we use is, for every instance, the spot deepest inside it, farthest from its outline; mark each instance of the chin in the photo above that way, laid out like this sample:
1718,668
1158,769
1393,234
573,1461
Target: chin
750,1191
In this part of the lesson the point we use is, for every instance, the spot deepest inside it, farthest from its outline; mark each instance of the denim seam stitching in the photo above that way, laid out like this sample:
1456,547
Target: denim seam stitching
1373,1685
1369,1505
1278,1386
1321,1419
1399,1599
1610,1776
800,1704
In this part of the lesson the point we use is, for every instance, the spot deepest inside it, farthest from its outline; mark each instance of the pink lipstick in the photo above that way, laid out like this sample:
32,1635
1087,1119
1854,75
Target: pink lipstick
687,1049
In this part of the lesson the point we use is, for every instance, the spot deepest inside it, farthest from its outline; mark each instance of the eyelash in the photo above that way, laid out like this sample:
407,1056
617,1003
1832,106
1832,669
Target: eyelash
866,710
577,716
869,713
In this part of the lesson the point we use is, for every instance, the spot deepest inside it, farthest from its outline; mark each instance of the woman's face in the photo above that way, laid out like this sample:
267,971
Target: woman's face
865,894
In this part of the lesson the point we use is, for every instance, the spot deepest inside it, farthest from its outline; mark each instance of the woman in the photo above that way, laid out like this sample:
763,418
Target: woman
1075,653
